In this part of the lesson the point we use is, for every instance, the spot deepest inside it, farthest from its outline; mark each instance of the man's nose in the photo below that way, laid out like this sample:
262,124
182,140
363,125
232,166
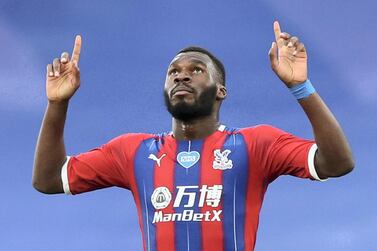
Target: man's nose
182,77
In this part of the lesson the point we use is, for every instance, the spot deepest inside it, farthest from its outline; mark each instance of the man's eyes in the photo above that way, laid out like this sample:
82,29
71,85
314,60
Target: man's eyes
196,70
173,72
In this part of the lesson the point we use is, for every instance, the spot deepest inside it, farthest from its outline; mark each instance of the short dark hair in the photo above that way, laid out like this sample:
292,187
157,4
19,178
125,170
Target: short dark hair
218,64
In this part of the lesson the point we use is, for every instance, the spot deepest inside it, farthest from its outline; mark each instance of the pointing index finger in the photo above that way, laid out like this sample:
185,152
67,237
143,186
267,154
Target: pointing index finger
76,50
277,30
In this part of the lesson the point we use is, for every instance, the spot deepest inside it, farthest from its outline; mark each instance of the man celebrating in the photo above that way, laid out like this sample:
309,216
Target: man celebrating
201,186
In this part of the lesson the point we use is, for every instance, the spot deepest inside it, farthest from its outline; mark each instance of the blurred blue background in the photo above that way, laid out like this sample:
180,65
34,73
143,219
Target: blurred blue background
127,46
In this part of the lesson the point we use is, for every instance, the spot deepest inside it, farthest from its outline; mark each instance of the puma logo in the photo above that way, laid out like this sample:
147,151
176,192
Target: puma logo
158,160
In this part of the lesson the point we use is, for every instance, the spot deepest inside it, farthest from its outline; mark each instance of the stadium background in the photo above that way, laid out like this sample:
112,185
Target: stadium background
127,46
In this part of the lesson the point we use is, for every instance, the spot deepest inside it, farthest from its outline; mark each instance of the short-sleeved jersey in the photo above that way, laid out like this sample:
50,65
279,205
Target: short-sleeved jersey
194,195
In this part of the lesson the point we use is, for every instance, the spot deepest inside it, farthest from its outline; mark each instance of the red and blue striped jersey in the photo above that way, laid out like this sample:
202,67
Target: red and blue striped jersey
197,194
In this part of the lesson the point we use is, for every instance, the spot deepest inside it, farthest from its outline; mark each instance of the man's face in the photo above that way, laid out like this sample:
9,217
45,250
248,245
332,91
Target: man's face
190,88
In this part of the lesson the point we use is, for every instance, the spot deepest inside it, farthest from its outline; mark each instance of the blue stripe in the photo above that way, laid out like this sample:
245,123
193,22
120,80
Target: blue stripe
144,174
235,188
188,233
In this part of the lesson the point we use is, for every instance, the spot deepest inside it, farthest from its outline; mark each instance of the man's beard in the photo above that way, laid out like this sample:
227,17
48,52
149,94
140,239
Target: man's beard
202,107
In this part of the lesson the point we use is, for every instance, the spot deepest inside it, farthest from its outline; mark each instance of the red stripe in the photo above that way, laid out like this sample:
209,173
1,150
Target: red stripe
164,176
212,232
255,192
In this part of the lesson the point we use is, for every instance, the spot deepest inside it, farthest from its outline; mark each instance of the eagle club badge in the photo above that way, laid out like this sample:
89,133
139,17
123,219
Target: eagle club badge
221,161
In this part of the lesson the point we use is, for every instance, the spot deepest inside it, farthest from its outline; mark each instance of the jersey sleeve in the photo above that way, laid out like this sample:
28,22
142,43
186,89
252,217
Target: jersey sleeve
101,167
281,153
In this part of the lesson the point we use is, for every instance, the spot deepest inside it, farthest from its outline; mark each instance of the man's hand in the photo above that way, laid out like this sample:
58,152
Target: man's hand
62,80
63,75
288,58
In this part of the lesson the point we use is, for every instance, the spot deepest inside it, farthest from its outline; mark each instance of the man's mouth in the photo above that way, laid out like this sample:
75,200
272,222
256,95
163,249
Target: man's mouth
180,91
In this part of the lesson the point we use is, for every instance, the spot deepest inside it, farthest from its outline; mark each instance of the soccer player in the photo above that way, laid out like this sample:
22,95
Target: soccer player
201,186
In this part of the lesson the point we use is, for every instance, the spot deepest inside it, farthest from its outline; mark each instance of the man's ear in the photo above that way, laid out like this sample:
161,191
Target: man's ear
221,92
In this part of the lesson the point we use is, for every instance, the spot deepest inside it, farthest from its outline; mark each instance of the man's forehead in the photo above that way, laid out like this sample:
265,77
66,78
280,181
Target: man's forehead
193,56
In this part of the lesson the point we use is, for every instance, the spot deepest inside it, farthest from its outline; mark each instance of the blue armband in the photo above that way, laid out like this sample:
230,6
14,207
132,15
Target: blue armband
302,90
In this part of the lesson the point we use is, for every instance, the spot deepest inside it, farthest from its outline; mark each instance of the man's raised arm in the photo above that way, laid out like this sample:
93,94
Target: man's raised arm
289,61
62,81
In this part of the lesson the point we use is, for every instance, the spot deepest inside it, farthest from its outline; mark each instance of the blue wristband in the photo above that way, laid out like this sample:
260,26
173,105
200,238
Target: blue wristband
302,90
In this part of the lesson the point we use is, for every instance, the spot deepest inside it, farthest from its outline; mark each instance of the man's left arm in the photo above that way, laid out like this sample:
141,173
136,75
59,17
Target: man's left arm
289,61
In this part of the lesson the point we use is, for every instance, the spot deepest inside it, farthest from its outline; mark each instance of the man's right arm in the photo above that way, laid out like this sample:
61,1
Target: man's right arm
62,81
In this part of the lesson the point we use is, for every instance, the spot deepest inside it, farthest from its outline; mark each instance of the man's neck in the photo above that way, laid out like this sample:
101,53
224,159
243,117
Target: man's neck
195,129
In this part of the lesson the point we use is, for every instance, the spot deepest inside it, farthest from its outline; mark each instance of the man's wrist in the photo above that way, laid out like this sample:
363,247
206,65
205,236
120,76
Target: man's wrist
57,107
302,90
60,103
